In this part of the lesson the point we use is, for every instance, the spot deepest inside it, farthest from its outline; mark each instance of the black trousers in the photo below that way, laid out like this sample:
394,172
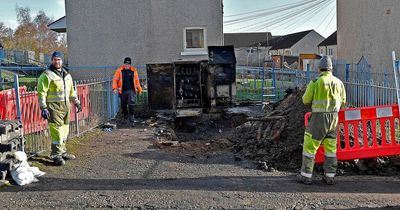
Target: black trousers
128,100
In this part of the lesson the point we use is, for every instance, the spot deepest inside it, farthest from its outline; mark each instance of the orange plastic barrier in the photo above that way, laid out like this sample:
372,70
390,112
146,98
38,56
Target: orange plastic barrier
367,132
31,119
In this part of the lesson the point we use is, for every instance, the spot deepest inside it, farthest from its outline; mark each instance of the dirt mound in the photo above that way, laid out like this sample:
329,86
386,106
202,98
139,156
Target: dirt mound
277,137
276,140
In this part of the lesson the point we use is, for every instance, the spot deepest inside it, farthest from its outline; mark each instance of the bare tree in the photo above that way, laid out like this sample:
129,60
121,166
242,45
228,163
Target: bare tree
32,34
23,14
6,36
47,39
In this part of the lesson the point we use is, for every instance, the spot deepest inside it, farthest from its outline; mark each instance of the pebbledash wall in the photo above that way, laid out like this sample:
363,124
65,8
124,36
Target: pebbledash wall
370,29
103,32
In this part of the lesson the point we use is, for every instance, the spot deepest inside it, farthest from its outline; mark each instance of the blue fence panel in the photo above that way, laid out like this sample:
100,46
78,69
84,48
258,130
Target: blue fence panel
361,91
2,56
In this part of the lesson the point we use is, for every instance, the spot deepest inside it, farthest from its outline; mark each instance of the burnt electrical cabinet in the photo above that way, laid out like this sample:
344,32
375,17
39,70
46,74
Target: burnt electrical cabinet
176,87
186,88
220,77
161,86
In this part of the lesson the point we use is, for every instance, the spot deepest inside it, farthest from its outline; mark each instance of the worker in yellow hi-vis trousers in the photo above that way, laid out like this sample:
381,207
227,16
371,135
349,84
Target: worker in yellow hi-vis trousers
55,91
326,95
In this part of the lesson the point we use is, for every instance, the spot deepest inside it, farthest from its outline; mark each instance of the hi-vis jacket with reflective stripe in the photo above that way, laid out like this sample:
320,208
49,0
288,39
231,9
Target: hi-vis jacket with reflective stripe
52,87
325,93
117,80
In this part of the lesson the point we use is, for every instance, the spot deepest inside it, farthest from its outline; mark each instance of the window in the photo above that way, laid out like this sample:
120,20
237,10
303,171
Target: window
322,51
195,41
330,51
195,38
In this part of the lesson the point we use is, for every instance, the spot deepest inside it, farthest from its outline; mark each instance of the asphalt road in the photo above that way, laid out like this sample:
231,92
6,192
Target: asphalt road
122,169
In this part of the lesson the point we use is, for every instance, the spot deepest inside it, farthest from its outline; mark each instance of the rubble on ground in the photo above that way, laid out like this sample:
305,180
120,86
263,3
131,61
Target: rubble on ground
275,138
272,139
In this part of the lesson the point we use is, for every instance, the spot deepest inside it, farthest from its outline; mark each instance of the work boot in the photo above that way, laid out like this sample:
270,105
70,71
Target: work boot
125,121
328,180
67,156
304,180
58,160
131,120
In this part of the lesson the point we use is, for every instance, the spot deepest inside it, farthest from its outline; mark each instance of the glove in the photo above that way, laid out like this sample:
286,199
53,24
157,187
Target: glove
45,114
78,108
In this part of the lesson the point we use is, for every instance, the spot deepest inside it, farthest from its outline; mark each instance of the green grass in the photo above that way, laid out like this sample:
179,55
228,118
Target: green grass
251,89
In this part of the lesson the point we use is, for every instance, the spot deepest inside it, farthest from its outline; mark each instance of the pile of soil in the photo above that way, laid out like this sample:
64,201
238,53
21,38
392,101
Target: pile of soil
277,137
275,140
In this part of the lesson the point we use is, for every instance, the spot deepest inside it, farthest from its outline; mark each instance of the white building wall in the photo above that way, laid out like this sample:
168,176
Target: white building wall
308,44
368,28
103,32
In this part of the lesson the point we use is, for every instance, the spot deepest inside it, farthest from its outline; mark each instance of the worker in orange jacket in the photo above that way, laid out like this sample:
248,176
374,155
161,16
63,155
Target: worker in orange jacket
126,83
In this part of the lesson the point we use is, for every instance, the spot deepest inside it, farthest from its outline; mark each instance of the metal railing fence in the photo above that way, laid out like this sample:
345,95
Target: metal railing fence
361,89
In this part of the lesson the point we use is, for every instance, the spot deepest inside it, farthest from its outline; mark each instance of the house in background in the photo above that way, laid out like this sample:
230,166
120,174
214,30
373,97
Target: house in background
296,43
246,53
370,29
59,26
288,45
329,46
103,32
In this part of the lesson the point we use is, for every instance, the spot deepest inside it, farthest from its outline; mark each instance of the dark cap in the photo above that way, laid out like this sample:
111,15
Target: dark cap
56,54
127,60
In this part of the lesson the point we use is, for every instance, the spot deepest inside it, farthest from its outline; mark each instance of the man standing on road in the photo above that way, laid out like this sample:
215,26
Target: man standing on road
126,83
55,91
326,95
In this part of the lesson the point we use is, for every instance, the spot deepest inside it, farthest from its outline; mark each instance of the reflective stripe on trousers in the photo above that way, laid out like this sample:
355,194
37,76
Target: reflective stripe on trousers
58,135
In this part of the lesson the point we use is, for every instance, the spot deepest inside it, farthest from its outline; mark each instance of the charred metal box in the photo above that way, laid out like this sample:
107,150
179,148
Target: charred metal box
188,84
175,87
220,77
161,86
189,87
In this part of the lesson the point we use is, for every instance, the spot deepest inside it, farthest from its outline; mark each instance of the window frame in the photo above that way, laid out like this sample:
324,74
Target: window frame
330,51
195,51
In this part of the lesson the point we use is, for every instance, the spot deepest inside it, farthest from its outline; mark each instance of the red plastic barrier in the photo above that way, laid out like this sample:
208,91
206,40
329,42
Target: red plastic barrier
32,121
83,95
7,103
367,132
30,110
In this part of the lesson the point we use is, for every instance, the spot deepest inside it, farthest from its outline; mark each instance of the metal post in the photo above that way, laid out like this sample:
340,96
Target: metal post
258,54
308,78
395,77
347,72
18,104
76,113
262,86
109,99
273,83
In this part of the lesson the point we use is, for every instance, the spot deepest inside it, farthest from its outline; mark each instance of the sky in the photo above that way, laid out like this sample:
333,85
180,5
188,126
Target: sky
322,19
55,9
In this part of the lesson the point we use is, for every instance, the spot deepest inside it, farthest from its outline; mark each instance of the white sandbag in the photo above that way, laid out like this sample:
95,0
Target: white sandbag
22,176
22,173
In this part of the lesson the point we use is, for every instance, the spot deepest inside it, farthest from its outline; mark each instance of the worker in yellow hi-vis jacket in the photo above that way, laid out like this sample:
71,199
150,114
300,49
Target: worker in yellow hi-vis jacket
326,94
55,91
